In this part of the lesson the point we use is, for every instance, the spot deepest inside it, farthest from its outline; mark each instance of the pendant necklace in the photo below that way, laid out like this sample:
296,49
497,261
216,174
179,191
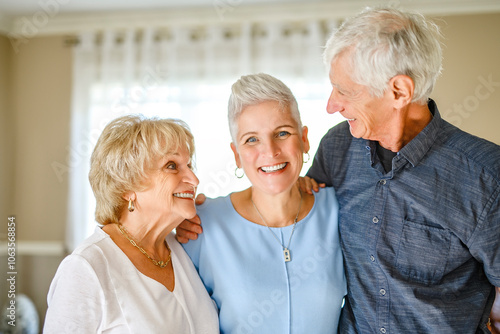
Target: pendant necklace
286,250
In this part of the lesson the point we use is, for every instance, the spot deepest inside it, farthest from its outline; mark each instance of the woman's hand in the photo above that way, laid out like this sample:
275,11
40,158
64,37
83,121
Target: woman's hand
200,199
308,185
190,228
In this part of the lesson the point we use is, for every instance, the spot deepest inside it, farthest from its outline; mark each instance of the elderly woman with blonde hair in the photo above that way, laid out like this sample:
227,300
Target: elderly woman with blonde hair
131,275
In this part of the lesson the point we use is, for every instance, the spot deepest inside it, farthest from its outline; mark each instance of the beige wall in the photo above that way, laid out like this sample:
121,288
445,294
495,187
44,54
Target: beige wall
7,158
468,92
35,104
7,140
41,98
35,108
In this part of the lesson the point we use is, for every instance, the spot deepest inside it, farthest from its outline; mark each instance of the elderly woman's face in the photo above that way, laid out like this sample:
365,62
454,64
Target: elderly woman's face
270,146
171,188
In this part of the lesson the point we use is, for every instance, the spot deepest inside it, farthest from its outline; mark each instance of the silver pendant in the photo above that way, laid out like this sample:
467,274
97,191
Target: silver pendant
286,253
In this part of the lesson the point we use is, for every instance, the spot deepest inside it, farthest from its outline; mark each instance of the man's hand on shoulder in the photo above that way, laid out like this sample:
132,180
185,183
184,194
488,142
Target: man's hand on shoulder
308,185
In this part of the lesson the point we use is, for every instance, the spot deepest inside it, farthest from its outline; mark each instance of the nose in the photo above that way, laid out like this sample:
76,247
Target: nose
191,178
333,104
271,149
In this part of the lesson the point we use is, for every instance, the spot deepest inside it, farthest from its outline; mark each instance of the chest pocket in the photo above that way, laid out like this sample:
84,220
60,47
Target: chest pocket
423,252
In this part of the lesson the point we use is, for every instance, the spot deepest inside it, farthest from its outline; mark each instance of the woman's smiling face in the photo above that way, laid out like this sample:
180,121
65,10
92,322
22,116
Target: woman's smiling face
171,187
269,146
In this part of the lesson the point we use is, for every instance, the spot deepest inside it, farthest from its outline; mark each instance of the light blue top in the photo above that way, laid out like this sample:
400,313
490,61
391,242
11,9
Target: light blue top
242,266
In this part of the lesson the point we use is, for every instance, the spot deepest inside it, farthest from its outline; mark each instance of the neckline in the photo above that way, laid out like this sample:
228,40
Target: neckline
174,260
246,221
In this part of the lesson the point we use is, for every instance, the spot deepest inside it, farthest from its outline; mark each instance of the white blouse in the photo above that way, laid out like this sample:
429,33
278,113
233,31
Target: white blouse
97,289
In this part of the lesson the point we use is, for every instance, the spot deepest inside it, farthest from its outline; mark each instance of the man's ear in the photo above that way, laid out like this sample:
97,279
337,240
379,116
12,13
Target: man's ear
236,155
402,87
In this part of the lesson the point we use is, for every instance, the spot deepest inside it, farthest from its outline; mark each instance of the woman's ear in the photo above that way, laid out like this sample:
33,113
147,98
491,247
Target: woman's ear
305,140
402,87
236,155
129,195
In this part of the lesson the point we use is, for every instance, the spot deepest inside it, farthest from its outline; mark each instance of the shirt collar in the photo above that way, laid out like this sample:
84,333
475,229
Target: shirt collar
416,149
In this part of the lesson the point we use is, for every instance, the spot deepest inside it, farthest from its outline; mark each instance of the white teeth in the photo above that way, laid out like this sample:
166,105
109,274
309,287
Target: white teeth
273,168
184,195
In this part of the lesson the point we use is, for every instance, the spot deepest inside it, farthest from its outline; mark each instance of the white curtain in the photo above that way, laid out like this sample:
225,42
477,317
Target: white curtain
186,72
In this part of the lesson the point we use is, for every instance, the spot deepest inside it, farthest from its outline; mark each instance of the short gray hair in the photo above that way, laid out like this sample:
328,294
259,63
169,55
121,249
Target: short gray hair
385,42
125,152
253,89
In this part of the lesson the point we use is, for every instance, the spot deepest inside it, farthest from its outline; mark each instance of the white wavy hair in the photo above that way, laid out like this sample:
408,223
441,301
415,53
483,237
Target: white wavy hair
253,89
385,42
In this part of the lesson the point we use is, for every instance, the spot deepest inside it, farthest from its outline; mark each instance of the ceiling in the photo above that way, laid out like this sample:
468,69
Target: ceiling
26,7
44,17
11,8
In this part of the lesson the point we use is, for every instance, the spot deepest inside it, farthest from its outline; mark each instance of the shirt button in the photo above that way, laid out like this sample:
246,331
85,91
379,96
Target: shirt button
372,258
382,182
382,292
375,220
382,330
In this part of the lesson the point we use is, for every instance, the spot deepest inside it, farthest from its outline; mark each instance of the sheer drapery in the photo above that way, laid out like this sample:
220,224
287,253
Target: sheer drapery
186,72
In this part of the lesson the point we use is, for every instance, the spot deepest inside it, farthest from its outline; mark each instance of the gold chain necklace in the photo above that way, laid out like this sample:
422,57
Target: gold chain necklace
286,251
161,264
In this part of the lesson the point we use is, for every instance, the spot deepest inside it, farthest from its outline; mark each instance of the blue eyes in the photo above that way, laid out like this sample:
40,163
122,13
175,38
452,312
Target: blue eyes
280,134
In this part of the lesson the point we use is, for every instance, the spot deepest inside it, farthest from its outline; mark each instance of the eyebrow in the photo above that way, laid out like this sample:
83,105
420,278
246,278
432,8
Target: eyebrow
172,153
168,155
337,86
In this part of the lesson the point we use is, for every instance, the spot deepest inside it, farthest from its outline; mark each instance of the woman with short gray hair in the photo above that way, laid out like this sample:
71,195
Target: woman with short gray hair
270,255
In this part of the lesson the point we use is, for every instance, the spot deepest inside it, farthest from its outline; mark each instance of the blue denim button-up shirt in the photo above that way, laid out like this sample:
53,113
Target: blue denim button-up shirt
421,243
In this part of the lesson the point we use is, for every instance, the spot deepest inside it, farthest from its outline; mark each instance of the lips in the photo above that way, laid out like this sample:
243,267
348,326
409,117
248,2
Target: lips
274,168
348,119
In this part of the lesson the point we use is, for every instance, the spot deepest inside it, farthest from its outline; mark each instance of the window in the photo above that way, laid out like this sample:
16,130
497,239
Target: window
118,73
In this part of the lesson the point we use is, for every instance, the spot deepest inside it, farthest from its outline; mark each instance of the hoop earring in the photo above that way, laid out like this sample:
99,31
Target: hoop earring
236,173
304,161
131,206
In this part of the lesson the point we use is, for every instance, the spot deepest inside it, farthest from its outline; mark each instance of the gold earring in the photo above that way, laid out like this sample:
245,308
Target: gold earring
131,206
